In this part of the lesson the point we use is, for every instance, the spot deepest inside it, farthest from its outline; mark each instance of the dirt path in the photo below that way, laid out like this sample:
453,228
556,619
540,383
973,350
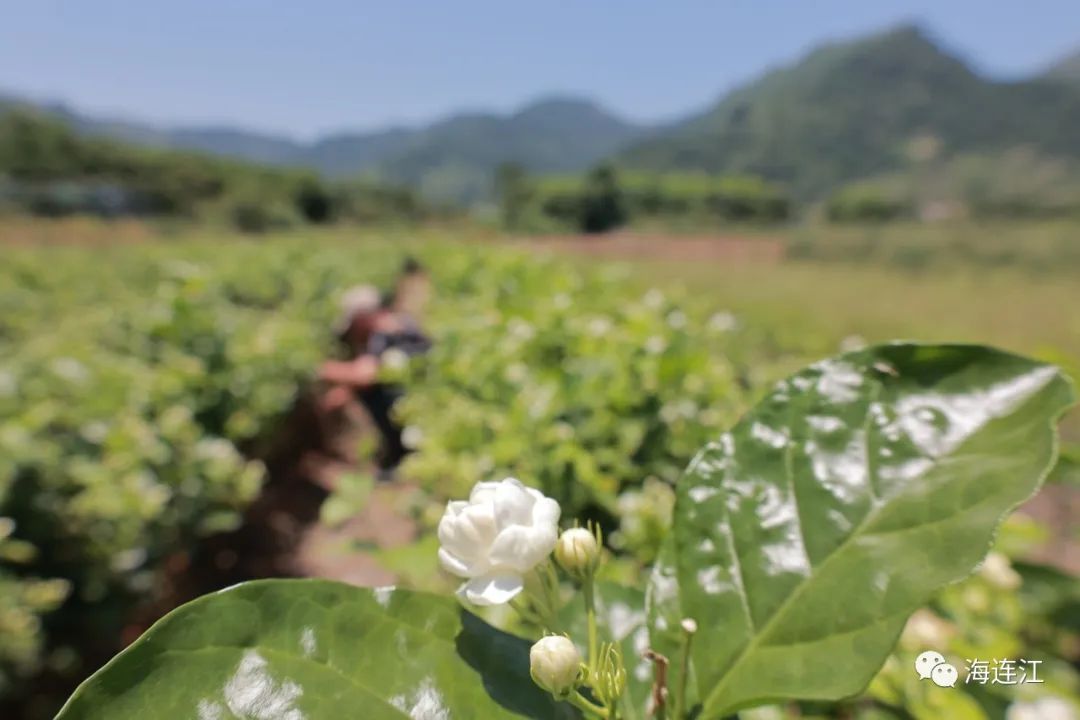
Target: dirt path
281,534
1057,508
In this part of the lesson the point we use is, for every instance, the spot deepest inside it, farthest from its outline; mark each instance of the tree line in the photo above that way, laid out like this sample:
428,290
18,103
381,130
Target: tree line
48,169
606,198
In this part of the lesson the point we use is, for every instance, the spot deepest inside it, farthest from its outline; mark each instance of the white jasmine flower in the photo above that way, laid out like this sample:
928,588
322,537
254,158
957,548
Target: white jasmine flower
976,599
215,449
669,413
676,319
94,432
723,322
70,369
540,401
655,345
1045,708
8,386
395,359
492,540
925,629
709,416
128,560
694,384
999,572
412,436
520,329
599,326
564,431
851,343
516,372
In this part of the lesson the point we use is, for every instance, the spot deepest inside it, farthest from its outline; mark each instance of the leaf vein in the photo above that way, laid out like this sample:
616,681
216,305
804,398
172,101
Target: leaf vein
755,640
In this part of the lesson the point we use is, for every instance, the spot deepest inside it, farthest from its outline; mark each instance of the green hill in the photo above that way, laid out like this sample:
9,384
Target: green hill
450,160
455,159
863,108
48,168
1067,69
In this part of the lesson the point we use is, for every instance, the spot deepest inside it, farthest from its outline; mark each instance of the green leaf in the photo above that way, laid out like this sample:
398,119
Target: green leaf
311,649
805,537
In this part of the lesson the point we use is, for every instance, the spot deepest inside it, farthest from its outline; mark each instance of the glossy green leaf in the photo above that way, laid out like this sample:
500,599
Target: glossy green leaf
805,537
313,650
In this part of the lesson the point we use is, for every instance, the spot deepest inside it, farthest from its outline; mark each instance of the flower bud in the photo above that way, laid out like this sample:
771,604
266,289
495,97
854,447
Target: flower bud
577,552
555,664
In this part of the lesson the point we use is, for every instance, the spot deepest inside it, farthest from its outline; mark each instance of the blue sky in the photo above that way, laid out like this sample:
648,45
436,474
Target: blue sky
312,66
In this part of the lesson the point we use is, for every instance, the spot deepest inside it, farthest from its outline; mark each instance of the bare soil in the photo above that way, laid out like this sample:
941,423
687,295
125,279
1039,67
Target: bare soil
1057,507
281,534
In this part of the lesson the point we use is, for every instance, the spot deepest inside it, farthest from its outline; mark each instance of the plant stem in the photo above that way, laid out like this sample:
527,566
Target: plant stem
659,688
578,700
546,603
590,616
526,612
552,584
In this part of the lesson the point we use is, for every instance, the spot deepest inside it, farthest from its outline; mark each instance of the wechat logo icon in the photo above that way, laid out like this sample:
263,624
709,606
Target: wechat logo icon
931,665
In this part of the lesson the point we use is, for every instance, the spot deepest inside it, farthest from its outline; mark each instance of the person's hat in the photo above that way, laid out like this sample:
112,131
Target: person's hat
356,300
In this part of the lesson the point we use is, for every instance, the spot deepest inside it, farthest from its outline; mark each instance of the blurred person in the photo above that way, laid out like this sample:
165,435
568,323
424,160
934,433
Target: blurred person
371,327
413,290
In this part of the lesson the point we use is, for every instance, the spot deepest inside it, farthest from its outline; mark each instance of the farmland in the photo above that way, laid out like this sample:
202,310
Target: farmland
143,380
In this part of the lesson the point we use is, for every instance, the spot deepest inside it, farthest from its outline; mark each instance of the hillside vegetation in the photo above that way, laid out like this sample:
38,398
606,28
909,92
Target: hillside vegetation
858,109
47,169
1067,69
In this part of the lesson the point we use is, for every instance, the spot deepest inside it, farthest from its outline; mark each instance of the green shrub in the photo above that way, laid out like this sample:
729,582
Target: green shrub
602,207
259,216
857,204
604,200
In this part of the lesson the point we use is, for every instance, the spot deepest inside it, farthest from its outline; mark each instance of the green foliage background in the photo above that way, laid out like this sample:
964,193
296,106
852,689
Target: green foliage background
130,402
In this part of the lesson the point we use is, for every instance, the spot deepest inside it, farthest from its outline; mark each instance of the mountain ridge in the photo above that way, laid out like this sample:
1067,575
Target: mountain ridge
853,109
846,110
554,133
1066,69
